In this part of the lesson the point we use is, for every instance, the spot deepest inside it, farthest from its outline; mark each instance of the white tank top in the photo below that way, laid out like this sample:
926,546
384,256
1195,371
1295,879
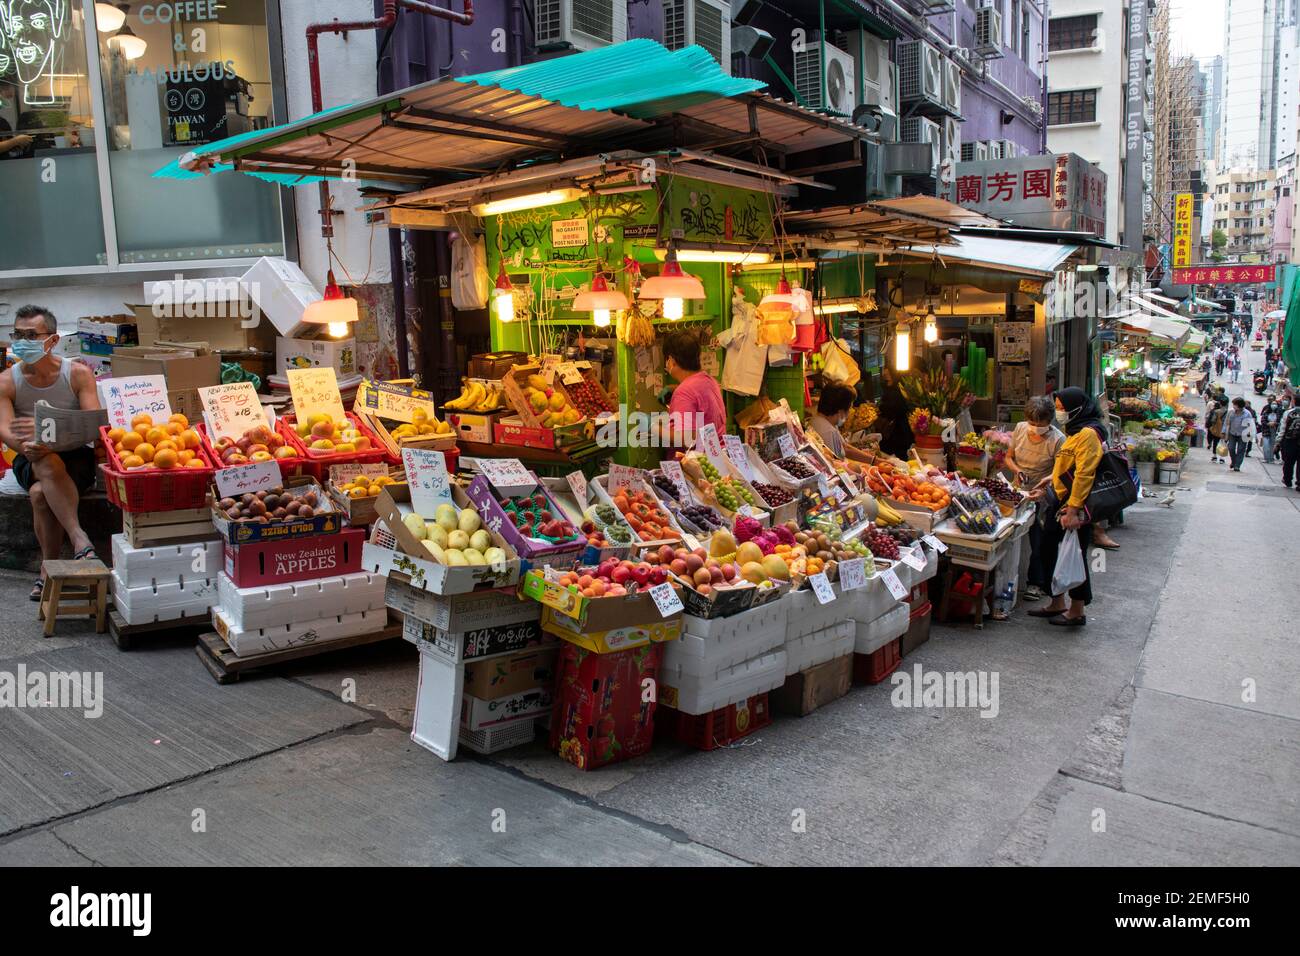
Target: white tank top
59,393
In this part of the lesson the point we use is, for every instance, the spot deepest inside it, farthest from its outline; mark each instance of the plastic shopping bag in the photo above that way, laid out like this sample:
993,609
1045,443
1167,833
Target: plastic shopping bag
1070,570
1222,449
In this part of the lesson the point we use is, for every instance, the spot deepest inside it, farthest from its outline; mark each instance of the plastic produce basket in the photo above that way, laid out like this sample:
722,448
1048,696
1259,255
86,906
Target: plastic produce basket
297,467
317,464
155,489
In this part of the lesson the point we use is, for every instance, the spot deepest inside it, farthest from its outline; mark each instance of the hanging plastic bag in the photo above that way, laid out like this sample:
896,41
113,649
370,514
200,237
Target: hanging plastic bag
469,274
838,365
1070,570
775,326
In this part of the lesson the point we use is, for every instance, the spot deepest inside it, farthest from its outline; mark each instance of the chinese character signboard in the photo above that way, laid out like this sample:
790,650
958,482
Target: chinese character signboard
1182,229
1226,274
1055,191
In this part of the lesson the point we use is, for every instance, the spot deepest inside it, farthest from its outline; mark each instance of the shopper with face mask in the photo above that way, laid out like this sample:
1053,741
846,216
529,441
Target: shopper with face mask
832,411
54,480
1029,460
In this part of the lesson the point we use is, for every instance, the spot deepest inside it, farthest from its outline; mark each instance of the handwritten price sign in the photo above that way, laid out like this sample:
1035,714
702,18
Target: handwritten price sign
739,456
248,479
578,484
853,574
426,474
231,410
673,472
124,398
315,391
711,445
508,475
397,403
621,476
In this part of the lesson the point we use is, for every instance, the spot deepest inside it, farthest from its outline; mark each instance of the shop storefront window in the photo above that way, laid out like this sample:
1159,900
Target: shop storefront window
49,176
175,76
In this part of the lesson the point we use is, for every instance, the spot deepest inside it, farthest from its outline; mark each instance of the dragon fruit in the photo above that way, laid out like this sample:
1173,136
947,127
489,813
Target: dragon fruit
783,534
746,529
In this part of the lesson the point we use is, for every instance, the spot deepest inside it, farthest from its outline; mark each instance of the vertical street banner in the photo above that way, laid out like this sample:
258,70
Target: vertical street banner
1134,124
1182,230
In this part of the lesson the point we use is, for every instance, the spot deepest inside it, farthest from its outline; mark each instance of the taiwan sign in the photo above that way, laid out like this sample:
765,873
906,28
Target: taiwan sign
1222,275
1053,191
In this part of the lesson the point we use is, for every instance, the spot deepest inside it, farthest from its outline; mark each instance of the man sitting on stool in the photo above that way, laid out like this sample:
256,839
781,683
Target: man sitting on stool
55,480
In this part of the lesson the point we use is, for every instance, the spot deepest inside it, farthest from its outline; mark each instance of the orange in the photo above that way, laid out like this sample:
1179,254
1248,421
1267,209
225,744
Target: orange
115,435
195,463
132,461
145,451
180,419
154,435
185,456
165,443
189,438
173,428
131,440
165,458
141,419
119,449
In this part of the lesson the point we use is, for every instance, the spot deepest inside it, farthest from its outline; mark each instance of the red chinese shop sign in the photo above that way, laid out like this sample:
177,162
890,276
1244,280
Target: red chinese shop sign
1222,275
1053,191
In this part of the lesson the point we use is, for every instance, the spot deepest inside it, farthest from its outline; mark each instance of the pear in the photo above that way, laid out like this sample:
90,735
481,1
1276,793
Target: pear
446,516
455,559
415,524
469,520
474,557
480,541
435,549
437,532
494,556
458,540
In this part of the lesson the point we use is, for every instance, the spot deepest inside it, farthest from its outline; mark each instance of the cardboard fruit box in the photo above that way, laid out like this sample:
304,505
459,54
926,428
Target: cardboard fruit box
358,511
488,501
401,554
508,674
615,639
599,716
516,380
592,614
297,559
563,495
330,521
379,403
456,647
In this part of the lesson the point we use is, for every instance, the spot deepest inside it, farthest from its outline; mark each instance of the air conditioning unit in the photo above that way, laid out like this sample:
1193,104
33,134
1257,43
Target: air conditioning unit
871,60
950,130
952,85
705,23
988,32
920,72
580,24
918,129
975,152
994,147
840,86
1009,149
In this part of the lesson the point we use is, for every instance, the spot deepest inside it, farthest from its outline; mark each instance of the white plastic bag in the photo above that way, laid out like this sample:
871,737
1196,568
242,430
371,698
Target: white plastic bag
469,275
839,366
1070,570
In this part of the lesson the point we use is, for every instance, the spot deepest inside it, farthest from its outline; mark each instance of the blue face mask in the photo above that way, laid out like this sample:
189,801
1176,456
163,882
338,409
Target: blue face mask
29,351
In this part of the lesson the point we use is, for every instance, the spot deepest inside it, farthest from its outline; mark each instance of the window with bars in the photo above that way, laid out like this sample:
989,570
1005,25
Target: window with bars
1071,33
1071,106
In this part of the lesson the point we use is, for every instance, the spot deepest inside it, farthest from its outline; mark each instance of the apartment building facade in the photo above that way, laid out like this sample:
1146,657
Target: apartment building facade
1244,204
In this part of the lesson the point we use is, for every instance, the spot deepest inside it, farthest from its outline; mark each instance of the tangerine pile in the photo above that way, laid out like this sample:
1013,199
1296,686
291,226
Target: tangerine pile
170,444
885,481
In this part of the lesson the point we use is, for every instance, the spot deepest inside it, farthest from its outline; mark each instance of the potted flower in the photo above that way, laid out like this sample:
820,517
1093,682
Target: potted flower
1144,459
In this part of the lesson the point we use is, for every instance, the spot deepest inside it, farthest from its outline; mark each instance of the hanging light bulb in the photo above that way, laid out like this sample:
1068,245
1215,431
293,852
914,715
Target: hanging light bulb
931,333
108,17
335,311
600,300
124,41
903,347
503,297
779,300
673,286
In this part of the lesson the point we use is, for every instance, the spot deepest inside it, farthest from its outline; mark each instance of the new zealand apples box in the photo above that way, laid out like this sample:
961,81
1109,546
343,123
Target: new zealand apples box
460,646
411,562
460,612
298,559
477,713
508,674
491,505
328,521
602,711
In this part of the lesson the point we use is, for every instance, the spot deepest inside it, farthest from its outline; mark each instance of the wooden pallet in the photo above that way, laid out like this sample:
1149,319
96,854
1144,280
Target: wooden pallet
148,528
127,636
226,666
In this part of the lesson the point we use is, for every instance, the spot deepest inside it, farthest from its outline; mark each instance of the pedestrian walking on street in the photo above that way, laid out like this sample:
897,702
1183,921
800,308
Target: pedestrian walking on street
1234,364
1237,426
1269,417
1288,432
1219,361
1214,417
1030,459
1071,480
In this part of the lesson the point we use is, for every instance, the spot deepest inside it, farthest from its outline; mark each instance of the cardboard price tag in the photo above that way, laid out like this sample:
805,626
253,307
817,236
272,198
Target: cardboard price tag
935,543
315,391
124,398
231,410
821,587
508,476
823,486
673,472
342,474
739,456
912,559
894,585
397,403
621,476
568,372
666,599
849,483
710,445
578,485
786,444
426,474
853,574
248,479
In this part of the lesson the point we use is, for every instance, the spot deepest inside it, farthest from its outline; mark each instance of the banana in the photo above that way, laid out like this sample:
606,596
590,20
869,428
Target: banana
459,402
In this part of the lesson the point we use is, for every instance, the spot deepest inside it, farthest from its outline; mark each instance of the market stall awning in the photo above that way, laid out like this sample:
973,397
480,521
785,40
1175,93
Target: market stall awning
1155,327
882,224
1007,255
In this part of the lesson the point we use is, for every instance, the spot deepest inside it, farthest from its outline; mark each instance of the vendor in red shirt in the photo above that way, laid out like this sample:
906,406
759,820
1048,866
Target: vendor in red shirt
697,399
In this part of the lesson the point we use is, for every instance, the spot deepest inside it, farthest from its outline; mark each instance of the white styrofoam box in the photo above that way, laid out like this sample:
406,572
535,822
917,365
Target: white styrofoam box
871,636
869,602
436,725
693,694
166,563
164,602
249,642
490,740
709,644
807,616
911,576
272,604
460,612
809,650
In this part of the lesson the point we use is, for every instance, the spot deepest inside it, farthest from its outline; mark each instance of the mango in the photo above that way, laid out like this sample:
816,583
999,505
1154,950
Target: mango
753,572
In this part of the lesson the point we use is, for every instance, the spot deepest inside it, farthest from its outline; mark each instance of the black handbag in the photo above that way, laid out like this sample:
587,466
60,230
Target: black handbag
1113,488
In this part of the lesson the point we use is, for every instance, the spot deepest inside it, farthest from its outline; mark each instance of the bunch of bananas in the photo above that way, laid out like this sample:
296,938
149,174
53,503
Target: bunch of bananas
478,398
886,517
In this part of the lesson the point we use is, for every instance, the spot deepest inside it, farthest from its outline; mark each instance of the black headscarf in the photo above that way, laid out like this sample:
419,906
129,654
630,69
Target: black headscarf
1083,410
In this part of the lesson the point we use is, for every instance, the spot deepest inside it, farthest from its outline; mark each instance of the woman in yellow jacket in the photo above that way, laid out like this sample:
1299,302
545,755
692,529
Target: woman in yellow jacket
1072,476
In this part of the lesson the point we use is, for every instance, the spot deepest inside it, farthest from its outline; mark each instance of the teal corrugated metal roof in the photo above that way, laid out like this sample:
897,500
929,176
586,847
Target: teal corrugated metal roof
638,78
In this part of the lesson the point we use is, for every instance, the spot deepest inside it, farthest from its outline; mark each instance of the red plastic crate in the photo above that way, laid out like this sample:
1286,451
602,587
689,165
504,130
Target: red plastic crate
155,489
720,728
318,465
874,667
289,467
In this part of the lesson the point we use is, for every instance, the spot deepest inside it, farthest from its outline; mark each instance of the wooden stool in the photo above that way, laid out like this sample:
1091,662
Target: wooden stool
74,581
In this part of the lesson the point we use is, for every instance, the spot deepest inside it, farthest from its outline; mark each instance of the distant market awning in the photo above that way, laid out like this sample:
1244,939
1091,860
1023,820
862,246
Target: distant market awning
1154,327
1040,259
882,224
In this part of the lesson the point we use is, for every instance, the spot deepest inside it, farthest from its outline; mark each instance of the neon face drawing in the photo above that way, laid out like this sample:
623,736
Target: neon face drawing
31,32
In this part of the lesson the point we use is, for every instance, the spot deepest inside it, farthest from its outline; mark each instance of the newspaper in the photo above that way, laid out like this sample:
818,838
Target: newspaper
63,429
